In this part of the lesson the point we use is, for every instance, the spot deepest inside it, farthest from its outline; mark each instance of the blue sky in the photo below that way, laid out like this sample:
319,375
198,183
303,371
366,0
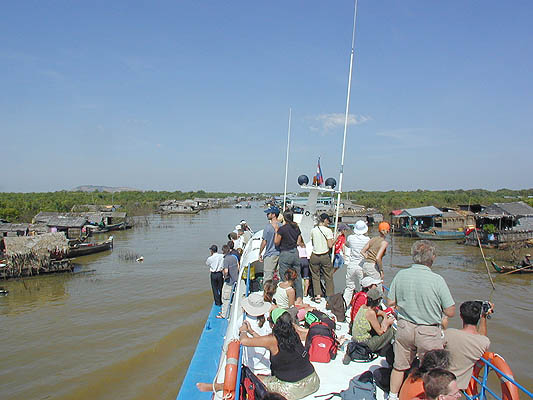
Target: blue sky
189,95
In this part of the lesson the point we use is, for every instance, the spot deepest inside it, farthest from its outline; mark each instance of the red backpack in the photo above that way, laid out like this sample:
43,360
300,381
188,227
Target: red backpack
354,309
321,343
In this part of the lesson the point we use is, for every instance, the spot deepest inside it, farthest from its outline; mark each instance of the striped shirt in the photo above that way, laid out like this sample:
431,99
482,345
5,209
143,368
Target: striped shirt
420,295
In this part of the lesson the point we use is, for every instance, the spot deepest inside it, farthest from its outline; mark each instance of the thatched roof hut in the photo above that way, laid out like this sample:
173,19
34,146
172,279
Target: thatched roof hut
44,243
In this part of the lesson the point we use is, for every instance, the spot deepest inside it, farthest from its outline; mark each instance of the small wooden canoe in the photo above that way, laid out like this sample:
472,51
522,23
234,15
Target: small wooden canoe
504,269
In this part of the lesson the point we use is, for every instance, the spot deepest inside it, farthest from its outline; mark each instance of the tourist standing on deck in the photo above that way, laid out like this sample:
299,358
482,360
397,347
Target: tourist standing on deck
354,267
467,345
320,260
423,303
215,262
270,257
374,251
288,237
340,250
247,233
231,274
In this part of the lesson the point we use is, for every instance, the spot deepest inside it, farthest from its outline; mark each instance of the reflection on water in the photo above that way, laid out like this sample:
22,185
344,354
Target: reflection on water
128,330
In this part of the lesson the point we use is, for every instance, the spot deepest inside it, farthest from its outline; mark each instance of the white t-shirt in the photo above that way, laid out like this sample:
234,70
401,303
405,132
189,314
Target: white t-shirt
356,243
215,262
319,236
257,358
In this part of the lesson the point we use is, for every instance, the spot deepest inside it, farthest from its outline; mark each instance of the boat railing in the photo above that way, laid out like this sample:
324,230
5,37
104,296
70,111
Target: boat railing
482,381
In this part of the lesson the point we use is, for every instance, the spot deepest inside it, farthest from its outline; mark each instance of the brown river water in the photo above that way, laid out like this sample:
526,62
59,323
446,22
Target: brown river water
127,330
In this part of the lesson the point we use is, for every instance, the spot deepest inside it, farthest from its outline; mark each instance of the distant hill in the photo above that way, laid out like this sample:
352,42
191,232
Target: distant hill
110,189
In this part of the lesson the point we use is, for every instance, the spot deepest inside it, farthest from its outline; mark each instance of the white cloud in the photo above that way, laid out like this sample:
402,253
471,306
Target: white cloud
329,122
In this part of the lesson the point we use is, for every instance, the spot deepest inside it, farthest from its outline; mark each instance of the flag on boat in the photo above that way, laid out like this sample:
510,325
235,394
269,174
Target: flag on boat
318,179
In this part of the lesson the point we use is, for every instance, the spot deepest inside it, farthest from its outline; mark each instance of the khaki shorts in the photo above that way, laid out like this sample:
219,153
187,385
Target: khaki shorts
412,340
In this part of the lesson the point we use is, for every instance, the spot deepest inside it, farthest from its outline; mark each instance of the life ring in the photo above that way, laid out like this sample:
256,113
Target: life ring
232,367
509,390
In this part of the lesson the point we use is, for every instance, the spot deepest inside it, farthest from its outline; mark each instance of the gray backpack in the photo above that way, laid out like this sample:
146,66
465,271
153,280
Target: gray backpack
361,387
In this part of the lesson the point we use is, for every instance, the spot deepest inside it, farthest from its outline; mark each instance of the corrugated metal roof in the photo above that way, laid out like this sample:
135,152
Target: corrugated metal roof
67,222
427,211
517,208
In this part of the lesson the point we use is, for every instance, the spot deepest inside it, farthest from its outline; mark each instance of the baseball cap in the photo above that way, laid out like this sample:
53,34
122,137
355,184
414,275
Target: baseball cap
272,209
214,248
369,281
325,216
276,313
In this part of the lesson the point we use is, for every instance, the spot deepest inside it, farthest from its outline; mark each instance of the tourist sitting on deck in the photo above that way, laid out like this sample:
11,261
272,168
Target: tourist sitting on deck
293,375
467,345
413,387
367,328
269,290
360,298
440,384
285,295
257,358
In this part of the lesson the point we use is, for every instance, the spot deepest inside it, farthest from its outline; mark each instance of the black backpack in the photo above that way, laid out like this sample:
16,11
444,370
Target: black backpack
323,318
360,352
361,387
337,305
251,386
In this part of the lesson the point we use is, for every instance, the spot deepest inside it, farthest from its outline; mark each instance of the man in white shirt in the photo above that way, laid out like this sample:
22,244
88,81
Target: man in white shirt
320,260
215,262
354,270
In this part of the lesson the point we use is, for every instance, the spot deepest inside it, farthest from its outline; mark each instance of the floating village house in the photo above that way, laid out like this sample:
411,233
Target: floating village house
57,222
421,219
179,207
503,223
30,255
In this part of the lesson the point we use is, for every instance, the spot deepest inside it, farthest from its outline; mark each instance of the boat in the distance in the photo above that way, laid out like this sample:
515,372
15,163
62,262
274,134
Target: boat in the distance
518,268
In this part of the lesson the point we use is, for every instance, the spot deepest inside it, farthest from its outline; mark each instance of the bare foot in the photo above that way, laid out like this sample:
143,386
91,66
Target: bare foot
208,387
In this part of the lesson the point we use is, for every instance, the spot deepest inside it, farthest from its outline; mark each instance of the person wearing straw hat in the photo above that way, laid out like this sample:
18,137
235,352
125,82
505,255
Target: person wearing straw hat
257,358
354,267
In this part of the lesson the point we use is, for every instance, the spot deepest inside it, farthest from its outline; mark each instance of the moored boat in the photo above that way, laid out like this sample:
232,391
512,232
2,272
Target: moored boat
441,235
83,249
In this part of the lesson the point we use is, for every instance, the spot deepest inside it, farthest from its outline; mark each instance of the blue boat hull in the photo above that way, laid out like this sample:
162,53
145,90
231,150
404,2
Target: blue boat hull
204,363
441,235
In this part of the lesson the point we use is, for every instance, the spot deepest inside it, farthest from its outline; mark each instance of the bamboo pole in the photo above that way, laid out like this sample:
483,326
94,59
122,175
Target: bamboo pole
484,259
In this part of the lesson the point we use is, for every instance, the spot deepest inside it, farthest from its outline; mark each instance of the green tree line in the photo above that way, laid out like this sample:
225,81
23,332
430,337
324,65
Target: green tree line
22,207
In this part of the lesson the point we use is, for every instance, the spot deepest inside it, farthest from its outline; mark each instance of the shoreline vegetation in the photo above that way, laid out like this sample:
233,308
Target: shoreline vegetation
22,207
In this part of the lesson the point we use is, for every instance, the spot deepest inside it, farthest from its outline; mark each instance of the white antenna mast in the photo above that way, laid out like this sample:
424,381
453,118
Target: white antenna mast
287,161
346,120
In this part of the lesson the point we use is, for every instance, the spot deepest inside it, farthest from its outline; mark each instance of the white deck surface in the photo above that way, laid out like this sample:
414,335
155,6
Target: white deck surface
335,376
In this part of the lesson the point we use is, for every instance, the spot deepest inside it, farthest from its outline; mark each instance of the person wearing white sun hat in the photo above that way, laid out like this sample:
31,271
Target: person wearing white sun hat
256,358
354,270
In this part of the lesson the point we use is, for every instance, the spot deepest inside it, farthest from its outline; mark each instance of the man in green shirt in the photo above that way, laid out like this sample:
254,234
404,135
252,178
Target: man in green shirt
423,303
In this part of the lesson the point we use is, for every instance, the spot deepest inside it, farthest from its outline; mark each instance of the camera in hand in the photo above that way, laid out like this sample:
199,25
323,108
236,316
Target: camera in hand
485,308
